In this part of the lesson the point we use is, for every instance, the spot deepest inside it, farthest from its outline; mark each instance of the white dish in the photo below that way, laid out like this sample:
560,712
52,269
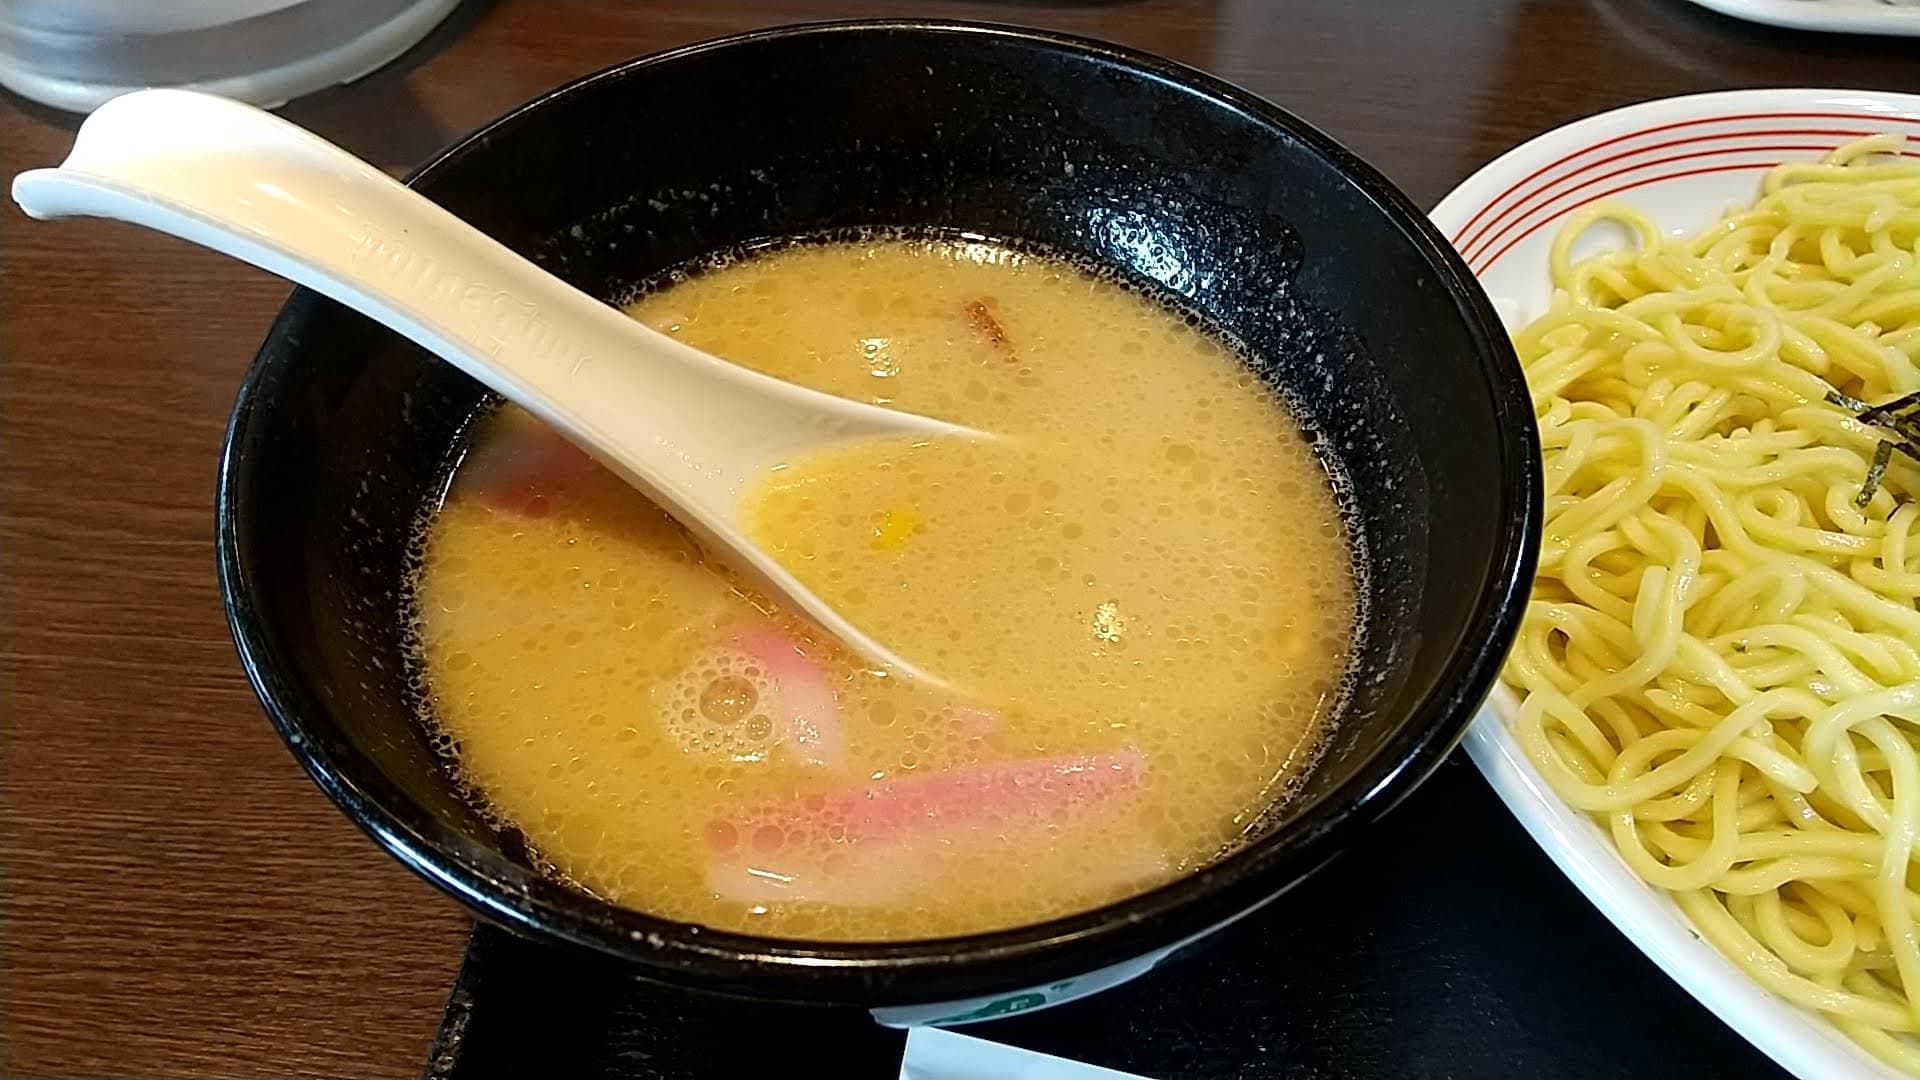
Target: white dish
1683,162
77,54
1835,16
938,1054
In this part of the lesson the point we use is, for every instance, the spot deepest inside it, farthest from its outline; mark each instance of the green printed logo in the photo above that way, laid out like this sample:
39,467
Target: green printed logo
998,1007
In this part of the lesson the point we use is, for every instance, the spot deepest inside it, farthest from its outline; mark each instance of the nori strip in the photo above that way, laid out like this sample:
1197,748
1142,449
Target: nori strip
1882,457
1899,418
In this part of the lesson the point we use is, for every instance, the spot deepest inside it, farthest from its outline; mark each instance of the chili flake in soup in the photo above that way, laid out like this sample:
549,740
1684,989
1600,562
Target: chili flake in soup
1141,596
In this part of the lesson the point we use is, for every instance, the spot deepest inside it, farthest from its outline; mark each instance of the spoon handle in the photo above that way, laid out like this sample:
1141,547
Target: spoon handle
241,181
686,429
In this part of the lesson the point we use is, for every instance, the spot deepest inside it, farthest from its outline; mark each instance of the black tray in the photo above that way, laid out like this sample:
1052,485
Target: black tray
1443,945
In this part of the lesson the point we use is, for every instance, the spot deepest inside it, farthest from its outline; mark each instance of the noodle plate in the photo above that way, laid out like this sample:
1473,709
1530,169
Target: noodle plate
1721,658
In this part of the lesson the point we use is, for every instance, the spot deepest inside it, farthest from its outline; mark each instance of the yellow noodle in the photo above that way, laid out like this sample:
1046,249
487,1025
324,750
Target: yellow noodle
1721,661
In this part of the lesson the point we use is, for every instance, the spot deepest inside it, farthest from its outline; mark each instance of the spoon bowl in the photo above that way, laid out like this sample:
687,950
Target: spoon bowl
689,430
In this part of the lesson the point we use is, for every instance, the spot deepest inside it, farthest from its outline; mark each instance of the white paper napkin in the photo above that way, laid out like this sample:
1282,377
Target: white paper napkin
938,1054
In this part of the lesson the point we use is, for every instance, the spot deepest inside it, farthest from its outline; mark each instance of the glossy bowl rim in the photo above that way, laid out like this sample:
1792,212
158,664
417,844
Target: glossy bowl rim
878,973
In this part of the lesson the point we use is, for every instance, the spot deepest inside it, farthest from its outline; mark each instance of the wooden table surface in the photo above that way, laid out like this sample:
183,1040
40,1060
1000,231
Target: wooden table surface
178,899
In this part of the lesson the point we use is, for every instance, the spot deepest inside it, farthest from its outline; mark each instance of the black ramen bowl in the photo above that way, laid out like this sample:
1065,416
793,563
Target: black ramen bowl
1237,211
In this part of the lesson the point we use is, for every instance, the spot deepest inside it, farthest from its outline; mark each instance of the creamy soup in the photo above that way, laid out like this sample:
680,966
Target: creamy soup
1140,598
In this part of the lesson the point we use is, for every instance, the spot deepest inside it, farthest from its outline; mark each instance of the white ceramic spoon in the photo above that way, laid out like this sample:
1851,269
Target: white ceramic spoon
687,429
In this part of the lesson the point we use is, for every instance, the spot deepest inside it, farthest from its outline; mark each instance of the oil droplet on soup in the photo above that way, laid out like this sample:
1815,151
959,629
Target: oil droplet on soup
1142,599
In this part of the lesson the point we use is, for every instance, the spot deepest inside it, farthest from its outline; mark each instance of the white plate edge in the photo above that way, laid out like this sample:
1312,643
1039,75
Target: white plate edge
1802,1042
1832,18
1453,210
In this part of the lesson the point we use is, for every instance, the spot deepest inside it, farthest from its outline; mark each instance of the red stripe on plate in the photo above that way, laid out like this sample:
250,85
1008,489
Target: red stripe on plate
1615,191
1521,203
1675,126
1487,240
1643,182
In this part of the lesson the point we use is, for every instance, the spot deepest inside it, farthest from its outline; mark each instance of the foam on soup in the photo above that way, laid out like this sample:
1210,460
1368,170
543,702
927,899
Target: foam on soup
1142,599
